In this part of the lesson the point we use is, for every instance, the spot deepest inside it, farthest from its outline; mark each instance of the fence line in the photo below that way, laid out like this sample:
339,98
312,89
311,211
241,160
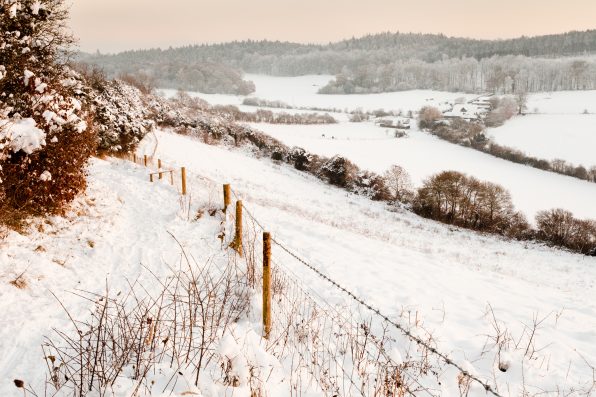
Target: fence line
148,160
374,310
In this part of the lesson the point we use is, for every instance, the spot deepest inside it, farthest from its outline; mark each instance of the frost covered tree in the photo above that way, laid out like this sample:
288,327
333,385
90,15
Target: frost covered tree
46,136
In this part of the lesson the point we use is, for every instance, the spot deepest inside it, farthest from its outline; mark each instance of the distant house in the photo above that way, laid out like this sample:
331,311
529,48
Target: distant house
473,110
402,123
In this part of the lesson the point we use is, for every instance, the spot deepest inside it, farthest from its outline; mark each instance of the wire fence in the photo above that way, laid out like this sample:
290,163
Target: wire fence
349,348
394,366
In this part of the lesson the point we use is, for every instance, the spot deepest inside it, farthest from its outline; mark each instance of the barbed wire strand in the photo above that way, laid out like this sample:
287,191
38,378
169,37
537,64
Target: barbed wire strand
375,310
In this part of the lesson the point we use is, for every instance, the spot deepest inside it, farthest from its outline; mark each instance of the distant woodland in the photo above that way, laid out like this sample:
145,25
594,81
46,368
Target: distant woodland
374,63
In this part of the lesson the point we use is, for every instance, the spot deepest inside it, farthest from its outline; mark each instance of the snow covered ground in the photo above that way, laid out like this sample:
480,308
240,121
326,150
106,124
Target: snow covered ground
302,92
118,234
422,155
560,125
446,278
400,262
570,137
562,102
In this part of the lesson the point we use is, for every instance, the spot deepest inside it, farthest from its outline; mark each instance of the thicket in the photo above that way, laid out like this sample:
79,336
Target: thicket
268,116
560,228
457,199
47,132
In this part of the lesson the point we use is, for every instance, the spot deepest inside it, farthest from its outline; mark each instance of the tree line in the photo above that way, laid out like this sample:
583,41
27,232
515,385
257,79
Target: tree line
374,63
498,74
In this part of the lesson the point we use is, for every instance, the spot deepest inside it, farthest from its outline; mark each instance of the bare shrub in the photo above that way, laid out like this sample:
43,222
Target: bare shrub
132,334
559,227
399,184
428,116
502,110
144,82
454,198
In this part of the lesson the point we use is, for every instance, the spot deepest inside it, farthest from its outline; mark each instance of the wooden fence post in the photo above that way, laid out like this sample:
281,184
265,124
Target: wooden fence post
183,172
159,167
145,160
172,178
227,199
267,284
134,158
237,243
150,177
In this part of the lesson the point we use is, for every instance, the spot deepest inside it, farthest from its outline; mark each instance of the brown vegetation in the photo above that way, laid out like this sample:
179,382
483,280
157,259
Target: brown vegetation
559,227
454,198
41,87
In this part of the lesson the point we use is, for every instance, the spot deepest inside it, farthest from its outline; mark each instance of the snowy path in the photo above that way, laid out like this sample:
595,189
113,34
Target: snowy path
405,265
119,226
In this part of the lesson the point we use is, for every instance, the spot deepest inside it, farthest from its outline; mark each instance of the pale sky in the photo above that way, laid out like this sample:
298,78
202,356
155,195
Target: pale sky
116,25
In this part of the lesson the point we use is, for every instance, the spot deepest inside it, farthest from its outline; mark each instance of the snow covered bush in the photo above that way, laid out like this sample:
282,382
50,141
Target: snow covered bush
300,158
371,185
47,135
339,171
122,115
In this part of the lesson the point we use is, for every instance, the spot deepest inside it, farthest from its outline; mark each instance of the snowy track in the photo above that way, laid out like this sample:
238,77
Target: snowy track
443,278
115,231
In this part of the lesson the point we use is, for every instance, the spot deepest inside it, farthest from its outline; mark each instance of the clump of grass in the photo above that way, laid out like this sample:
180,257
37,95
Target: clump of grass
20,282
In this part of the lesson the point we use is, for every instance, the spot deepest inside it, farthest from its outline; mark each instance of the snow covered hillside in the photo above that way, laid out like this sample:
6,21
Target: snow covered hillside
302,92
552,136
117,231
422,155
462,288
401,263
374,148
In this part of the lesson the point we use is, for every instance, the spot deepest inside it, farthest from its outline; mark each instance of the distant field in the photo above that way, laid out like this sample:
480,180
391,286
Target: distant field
562,102
374,148
422,155
302,92
557,127
571,137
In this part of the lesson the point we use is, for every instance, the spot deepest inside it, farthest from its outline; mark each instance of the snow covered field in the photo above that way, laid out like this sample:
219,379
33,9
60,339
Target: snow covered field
398,261
570,137
560,125
302,92
422,155
562,102
444,277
